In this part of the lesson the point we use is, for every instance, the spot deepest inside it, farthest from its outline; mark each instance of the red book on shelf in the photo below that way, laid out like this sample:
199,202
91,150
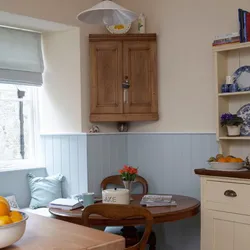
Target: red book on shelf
248,26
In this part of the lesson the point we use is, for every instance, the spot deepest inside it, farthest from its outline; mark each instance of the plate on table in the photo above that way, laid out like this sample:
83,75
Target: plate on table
244,113
242,77
119,29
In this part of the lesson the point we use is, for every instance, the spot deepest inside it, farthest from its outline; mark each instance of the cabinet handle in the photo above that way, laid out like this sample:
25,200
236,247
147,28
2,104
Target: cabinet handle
125,86
230,193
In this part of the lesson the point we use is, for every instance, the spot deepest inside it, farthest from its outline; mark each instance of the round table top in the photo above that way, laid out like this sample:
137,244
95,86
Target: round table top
186,207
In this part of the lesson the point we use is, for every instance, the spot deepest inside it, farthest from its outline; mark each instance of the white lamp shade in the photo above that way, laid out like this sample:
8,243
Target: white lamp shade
107,12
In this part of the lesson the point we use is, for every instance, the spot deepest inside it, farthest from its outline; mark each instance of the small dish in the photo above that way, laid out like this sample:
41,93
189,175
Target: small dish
119,29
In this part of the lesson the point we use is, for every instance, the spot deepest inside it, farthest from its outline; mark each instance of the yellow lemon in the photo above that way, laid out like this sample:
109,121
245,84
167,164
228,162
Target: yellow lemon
5,220
16,216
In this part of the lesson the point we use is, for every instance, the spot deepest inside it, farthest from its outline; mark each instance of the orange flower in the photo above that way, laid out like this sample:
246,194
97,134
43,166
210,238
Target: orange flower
121,171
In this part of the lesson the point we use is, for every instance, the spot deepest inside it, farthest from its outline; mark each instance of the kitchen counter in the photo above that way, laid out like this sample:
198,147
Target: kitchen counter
228,174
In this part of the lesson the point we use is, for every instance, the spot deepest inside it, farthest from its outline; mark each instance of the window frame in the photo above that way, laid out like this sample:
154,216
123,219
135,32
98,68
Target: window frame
32,162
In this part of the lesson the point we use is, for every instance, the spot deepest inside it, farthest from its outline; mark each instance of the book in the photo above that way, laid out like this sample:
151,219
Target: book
65,204
224,36
226,41
248,26
244,24
159,204
157,200
241,25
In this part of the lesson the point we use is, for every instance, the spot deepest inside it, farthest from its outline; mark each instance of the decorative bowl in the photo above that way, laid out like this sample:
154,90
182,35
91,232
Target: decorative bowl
119,29
226,165
11,233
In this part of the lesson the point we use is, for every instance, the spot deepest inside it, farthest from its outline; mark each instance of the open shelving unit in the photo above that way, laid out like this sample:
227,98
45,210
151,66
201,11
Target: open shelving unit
228,58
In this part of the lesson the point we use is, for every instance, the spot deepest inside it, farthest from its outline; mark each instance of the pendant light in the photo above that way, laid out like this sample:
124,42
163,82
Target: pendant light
108,13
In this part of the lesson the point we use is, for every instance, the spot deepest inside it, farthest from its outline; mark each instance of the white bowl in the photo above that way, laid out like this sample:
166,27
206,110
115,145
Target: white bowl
11,233
226,165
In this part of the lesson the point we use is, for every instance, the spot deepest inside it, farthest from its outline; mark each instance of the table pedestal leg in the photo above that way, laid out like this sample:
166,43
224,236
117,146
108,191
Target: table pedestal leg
131,236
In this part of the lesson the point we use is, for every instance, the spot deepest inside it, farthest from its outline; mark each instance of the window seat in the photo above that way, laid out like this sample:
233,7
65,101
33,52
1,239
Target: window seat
14,182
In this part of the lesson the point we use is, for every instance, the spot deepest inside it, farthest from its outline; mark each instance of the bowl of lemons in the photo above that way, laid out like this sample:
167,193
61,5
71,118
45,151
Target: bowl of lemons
12,224
230,162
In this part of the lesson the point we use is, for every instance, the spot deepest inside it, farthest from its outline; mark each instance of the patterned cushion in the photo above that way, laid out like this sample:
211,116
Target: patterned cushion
12,201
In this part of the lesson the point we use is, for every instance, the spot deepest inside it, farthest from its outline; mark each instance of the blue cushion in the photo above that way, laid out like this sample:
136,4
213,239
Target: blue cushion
44,189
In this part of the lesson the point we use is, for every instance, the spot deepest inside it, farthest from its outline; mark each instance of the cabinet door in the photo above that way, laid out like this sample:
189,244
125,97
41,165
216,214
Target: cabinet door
225,231
106,77
139,58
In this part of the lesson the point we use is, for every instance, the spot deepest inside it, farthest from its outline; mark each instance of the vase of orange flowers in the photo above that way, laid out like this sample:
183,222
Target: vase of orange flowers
128,175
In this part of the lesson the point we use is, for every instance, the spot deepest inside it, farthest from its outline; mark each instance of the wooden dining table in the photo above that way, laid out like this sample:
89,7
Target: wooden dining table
186,207
50,234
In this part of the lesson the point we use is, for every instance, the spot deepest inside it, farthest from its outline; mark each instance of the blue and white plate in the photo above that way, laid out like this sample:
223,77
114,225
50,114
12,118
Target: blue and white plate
242,77
244,113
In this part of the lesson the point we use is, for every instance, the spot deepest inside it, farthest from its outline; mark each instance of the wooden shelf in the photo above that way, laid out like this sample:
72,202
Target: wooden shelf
229,47
234,94
235,138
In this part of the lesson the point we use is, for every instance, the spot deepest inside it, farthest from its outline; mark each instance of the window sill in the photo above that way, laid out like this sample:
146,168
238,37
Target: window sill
20,166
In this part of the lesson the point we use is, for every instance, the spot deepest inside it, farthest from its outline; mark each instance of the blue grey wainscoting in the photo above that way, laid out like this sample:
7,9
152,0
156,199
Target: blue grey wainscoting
166,160
67,154
106,155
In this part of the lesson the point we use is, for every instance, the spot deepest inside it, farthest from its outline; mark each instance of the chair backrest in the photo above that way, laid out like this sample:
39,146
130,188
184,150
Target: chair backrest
121,212
117,180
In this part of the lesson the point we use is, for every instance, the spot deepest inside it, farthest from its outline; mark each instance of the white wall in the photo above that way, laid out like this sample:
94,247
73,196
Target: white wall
185,32
65,12
60,96
186,78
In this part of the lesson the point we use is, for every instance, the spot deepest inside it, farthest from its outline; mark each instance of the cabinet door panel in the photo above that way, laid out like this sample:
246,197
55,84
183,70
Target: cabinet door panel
225,231
242,236
106,76
140,67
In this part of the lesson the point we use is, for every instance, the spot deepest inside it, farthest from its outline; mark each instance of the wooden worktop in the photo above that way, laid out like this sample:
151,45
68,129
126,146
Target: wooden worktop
49,234
229,174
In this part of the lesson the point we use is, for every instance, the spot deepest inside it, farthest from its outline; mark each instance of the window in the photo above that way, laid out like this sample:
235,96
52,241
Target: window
18,124
21,68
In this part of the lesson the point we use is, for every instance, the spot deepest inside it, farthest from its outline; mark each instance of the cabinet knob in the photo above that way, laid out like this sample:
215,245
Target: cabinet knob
230,193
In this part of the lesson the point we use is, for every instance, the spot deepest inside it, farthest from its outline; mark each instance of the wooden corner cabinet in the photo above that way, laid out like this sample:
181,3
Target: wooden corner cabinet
123,78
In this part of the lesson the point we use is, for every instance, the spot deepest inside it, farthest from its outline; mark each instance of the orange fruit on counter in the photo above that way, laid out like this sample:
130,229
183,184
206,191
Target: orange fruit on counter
4,209
239,159
5,220
16,216
234,160
222,159
229,159
4,200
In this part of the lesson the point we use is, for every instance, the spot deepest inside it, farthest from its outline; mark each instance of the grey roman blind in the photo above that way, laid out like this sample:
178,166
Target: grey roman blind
21,60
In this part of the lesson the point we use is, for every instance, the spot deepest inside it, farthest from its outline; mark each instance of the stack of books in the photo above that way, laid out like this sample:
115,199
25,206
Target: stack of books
244,22
227,39
65,204
157,201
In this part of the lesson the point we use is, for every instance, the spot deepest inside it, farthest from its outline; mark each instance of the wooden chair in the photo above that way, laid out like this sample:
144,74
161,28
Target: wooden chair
117,181
121,212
